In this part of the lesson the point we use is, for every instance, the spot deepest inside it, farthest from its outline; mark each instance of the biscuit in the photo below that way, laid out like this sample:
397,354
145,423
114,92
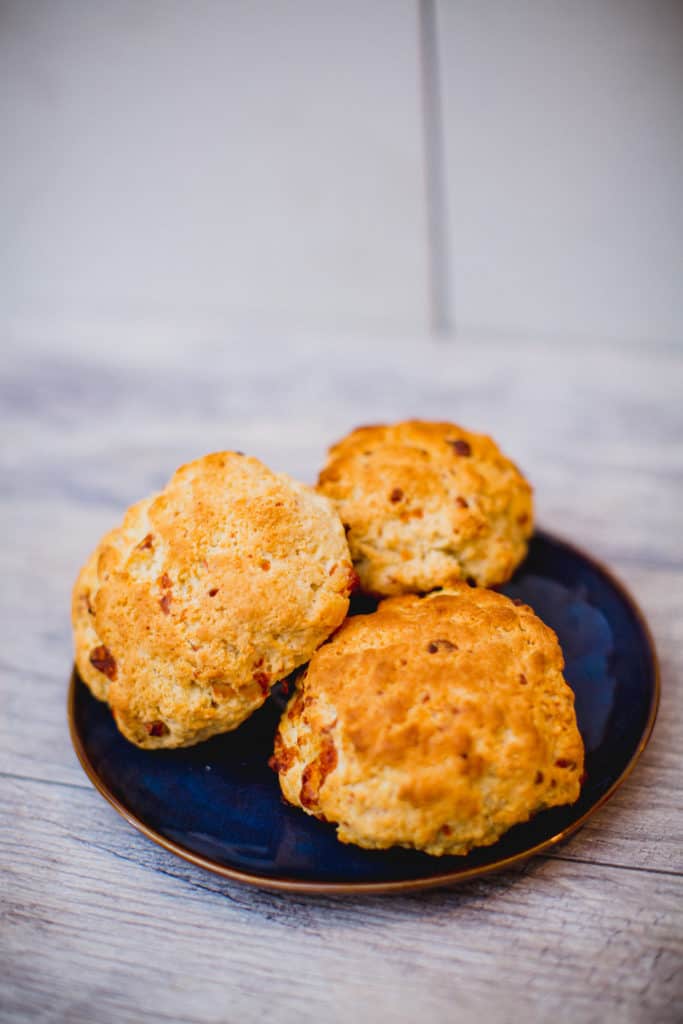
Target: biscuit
207,595
426,505
436,723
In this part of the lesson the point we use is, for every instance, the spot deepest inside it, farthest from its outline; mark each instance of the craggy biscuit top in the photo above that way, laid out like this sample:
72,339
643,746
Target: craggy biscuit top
435,723
205,596
428,504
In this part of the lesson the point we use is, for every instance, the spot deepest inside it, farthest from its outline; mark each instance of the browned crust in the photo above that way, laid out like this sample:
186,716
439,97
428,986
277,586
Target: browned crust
207,595
450,720
426,505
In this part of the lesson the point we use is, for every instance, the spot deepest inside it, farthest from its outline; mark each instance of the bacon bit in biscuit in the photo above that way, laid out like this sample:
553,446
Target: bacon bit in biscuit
461,502
284,686
417,513
213,591
441,645
446,830
297,705
460,446
518,601
146,542
264,564
426,698
165,580
523,519
353,581
165,603
562,762
316,772
396,495
553,783
332,570
263,679
523,679
283,757
156,728
539,778
308,793
102,659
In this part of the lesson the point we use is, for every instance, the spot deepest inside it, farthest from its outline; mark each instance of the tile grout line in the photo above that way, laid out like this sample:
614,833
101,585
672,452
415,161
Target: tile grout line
440,296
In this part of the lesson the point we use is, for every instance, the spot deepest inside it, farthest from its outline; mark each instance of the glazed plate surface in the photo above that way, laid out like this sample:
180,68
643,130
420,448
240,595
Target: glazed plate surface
219,805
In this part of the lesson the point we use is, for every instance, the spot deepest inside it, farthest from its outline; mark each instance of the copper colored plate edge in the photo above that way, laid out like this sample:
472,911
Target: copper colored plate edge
450,878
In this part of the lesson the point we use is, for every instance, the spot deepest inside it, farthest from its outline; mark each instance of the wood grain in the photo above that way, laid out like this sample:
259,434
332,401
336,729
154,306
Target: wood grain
194,947
98,923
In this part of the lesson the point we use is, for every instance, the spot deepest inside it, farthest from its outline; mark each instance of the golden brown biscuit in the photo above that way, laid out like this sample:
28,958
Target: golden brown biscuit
205,596
426,505
436,722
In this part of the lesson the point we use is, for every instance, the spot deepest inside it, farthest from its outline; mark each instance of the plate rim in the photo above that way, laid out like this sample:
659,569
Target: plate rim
448,878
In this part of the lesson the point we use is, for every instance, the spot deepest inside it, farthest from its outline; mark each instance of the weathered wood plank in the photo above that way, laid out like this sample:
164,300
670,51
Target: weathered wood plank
97,921
153,935
66,488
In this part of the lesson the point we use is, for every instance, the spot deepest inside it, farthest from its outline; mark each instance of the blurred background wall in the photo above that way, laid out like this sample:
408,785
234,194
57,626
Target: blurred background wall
389,166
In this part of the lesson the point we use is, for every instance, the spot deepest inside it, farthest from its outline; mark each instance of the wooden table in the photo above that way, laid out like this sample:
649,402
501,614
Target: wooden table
98,924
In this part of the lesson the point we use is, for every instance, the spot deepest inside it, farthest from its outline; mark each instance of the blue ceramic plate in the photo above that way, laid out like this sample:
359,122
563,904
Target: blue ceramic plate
219,805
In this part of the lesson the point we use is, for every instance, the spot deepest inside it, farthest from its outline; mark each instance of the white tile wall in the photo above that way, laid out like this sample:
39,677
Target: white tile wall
257,161
563,128
266,164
